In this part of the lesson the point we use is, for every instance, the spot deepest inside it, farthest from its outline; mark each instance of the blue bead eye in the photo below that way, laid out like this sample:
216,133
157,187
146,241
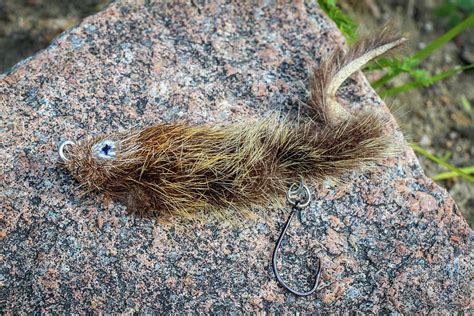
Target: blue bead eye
105,149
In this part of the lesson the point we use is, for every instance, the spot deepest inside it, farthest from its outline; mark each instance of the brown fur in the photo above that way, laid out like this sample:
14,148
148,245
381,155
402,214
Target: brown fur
178,169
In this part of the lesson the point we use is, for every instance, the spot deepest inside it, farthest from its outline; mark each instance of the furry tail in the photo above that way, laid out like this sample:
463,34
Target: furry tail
326,80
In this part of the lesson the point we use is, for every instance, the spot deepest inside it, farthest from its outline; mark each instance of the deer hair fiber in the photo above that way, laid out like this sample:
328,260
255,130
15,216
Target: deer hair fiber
185,170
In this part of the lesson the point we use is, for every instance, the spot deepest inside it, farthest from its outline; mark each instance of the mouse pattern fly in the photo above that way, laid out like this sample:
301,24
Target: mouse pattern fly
187,170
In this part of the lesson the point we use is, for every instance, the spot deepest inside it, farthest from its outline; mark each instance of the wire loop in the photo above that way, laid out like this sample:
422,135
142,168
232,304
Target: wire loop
299,195
61,149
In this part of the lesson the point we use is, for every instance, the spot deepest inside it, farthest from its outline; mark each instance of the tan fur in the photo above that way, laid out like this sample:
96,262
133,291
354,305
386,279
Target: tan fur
337,67
183,170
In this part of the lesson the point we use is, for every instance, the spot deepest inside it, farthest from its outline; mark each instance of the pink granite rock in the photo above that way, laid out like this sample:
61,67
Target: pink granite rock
389,239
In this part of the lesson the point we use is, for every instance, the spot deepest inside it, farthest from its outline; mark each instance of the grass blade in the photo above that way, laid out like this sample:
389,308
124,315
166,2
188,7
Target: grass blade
451,174
432,157
416,84
425,52
467,107
443,39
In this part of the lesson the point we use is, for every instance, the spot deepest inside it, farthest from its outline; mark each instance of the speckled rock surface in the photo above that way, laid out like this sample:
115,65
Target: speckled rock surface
389,239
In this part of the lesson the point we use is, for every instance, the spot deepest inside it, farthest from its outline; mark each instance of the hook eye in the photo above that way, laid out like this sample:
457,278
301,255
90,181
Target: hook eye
61,149
298,195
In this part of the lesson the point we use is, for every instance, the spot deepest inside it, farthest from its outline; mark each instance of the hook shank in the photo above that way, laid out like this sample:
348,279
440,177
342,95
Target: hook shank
275,255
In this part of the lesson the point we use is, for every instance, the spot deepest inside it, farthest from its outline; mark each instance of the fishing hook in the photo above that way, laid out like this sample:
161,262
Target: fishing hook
299,197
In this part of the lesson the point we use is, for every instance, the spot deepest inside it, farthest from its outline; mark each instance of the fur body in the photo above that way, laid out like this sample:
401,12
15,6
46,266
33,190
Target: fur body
178,169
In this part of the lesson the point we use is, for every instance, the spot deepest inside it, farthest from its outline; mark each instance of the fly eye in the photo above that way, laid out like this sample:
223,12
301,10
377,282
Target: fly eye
105,149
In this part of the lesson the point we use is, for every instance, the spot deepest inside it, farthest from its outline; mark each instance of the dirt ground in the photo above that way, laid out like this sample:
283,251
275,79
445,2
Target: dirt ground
27,26
432,117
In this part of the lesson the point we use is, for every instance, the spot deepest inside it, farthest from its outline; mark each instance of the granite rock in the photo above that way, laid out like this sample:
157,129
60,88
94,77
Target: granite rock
389,239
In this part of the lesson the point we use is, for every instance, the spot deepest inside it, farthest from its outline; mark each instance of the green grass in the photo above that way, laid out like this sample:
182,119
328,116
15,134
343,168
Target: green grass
452,174
454,170
395,66
453,10
344,23
423,83
467,107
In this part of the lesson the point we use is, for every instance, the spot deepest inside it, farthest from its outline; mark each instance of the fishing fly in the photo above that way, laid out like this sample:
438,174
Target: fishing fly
186,170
